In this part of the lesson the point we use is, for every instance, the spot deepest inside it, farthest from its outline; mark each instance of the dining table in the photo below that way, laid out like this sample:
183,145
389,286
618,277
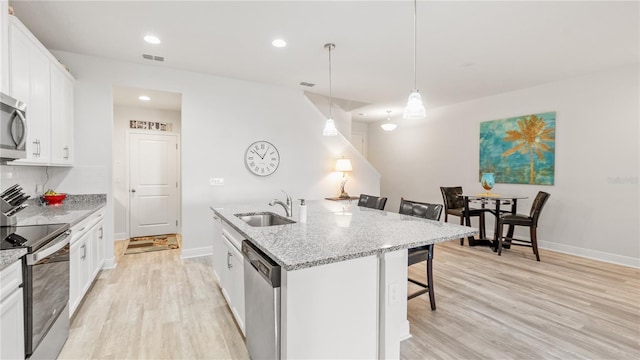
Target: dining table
499,202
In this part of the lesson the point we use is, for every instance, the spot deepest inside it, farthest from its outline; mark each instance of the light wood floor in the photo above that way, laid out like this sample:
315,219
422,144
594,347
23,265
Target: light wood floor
157,306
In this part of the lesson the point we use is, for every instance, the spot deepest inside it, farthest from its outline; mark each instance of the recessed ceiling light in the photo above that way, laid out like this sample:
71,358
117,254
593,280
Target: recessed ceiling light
279,43
144,98
152,39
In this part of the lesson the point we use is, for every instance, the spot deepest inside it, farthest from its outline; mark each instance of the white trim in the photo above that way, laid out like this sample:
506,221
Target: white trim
590,254
191,253
109,264
405,333
120,236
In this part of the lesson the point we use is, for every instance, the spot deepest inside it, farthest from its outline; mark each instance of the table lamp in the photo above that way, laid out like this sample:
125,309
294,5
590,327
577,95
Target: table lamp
343,165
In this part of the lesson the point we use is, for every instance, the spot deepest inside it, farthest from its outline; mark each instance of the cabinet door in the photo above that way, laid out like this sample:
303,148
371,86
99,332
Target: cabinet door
12,326
99,245
61,117
76,259
29,82
237,273
219,252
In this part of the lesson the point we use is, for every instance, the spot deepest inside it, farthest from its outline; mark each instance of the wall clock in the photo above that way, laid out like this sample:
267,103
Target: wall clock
262,158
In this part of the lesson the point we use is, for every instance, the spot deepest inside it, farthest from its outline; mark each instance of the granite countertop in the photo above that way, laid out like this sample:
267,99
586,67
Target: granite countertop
8,257
74,209
336,231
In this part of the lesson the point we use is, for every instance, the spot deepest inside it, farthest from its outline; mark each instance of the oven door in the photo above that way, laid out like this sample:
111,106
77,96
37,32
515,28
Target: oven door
47,296
13,128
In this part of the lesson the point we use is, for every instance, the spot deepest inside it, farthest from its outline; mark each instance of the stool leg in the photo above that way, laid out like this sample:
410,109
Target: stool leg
432,295
534,241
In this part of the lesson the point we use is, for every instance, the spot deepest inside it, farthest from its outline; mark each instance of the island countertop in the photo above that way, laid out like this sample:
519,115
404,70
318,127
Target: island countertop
336,231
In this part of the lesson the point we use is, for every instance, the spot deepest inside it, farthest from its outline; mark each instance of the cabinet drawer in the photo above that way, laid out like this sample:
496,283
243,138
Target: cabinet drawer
232,235
10,278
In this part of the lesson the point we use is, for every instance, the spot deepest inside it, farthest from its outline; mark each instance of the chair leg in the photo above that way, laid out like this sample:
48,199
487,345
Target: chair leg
534,241
432,295
483,229
461,223
499,225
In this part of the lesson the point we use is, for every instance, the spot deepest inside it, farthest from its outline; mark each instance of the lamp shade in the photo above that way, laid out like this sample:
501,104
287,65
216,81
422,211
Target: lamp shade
343,165
414,109
330,128
389,126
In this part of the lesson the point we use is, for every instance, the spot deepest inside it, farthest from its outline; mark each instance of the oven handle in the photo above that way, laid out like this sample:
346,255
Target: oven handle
37,256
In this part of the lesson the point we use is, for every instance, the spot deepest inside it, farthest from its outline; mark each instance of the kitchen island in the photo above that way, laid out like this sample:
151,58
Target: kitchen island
344,275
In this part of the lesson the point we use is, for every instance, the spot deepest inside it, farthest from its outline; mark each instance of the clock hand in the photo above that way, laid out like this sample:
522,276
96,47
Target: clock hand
265,153
255,152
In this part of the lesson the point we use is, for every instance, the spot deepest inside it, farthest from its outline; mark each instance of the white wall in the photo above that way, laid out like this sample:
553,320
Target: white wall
220,118
121,116
593,209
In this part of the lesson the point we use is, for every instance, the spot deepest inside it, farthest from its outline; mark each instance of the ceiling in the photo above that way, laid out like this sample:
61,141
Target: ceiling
466,49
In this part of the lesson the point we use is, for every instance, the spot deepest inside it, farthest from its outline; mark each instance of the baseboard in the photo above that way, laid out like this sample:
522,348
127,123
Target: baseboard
120,236
191,253
109,264
591,254
405,332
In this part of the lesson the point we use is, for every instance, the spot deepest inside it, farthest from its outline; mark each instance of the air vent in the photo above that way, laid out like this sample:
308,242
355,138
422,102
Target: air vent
304,83
153,57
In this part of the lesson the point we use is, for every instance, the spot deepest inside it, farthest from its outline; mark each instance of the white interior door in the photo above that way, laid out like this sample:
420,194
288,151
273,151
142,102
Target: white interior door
359,141
153,184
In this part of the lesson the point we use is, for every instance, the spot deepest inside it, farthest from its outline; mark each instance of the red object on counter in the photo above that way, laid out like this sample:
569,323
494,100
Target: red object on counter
54,200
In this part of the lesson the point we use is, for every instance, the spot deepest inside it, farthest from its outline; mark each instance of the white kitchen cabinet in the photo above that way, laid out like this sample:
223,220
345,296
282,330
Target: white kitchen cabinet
29,82
61,117
38,79
86,257
11,312
228,264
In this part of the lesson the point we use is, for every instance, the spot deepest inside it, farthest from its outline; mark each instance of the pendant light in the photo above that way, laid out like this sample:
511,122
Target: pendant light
330,125
389,125
414,109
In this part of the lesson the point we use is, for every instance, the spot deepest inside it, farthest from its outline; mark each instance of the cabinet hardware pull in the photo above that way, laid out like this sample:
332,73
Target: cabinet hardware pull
229,255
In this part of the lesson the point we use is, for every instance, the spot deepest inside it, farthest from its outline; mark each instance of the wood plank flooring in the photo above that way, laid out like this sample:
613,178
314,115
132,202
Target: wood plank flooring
158,306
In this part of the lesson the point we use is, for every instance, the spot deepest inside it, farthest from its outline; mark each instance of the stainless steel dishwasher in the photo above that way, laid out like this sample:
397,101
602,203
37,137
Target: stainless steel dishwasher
262,303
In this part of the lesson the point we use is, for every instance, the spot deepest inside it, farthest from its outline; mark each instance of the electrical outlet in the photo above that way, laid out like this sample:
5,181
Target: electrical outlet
216,181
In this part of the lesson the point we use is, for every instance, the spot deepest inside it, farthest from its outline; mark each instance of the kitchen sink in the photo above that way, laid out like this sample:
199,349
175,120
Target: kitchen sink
262,219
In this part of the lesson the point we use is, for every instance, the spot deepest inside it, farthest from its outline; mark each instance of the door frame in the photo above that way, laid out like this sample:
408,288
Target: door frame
128,134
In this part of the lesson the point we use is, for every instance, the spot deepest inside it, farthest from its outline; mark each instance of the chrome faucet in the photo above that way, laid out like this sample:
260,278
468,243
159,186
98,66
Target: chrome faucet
287,206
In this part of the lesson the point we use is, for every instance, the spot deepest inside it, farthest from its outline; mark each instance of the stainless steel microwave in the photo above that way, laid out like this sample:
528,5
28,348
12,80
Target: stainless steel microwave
13,132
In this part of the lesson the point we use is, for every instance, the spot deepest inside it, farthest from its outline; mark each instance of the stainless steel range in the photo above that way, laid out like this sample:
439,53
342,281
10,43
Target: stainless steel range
46,285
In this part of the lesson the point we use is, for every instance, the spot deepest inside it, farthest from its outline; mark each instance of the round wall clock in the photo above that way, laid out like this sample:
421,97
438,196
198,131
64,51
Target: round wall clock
262,158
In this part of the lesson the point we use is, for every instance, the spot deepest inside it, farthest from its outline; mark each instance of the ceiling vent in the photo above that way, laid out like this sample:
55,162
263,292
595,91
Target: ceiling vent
304,83
153,57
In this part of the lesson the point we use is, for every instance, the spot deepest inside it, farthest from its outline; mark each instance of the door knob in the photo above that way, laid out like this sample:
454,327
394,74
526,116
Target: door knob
133,190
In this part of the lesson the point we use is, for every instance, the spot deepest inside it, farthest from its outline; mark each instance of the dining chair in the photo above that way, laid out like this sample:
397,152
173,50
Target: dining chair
454,205
373,202
422,253
530,221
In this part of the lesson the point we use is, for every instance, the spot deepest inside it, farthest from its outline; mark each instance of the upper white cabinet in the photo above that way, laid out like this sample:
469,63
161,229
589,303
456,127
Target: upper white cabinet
61,117
36,78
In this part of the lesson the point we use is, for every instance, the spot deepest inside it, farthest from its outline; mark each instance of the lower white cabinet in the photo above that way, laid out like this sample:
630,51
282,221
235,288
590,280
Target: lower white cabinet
86,257
228,264
11,312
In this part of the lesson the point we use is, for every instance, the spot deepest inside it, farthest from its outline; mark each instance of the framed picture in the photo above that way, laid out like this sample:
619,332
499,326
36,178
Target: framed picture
519,150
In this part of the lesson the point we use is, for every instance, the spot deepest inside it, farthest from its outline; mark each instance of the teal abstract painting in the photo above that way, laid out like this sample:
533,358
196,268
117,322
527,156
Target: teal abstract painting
519,150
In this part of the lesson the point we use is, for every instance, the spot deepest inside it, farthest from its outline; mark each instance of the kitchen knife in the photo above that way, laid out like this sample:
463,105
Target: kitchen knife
10,189
20,200
11,194
16,210
14,196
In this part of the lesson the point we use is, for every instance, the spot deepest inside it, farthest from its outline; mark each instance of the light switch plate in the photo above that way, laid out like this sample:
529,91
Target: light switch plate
216,181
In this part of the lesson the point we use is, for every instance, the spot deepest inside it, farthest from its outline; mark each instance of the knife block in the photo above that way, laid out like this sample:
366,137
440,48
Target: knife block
5,220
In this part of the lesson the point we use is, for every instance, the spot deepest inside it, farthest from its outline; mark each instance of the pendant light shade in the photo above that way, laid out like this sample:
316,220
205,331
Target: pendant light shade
330,125
415,108
330,128
389,125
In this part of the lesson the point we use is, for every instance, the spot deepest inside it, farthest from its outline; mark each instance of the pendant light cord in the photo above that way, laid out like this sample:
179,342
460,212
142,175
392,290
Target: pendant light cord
415,44
330,85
